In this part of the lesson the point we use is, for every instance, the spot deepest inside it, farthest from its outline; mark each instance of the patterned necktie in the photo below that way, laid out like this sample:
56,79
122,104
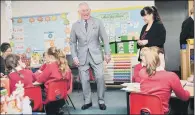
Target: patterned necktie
86,25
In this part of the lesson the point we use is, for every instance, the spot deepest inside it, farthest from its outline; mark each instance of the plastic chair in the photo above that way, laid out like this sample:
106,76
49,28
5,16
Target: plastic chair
69,91
145,104
34,93
56,90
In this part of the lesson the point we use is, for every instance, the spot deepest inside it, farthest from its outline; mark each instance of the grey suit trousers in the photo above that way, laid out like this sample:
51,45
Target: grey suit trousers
99,77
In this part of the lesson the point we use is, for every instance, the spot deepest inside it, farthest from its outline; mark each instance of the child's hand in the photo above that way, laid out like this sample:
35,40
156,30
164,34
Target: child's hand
190,79
39,71
1,74
36,83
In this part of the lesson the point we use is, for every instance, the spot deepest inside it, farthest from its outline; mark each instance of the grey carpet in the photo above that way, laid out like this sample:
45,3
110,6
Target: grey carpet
115,102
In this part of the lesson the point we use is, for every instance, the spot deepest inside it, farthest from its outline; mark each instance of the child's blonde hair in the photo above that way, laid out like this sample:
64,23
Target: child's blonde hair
157,49
152,60
63,63
60,56
144,51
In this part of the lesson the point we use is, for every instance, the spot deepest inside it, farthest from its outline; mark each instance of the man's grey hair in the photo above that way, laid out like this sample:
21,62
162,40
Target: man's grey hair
81,4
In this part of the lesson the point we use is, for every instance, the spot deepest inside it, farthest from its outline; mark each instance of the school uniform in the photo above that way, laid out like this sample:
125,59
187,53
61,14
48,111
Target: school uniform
136,77
49,74
161,84
27,80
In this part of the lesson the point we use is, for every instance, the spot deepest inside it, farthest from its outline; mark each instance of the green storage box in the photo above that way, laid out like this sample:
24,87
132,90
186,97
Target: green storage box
127,47
124,38
112,47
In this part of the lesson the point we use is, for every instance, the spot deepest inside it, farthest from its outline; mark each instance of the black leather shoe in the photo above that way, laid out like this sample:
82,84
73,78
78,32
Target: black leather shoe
86,106
102,106
60,112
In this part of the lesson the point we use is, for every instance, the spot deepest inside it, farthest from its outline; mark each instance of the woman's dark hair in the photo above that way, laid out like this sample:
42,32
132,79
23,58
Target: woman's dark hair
11,62
5,46
43,54
151,10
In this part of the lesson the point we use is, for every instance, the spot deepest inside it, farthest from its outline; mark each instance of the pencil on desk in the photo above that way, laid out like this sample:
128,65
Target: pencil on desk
184,85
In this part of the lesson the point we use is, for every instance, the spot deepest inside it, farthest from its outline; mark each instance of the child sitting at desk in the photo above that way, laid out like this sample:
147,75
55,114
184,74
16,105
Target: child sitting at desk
138,67
17,72
56,69
159,82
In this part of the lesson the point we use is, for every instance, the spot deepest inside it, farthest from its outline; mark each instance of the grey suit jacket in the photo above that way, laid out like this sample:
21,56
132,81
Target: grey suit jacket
82,41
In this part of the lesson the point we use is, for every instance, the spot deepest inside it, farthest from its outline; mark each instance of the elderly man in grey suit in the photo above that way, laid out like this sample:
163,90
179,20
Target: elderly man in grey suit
86,52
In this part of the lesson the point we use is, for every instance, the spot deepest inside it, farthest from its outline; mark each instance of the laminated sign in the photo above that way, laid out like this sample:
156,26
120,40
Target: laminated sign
48,36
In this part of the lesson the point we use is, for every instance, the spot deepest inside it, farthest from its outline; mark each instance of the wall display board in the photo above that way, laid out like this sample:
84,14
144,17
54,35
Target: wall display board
32,35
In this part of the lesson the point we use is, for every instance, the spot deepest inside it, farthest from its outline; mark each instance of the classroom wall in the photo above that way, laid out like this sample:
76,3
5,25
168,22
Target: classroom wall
172,20
28,8
4,24
190,5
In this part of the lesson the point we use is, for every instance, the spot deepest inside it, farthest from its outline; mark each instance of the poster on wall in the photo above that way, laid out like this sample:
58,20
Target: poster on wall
38,33
121,22
121,25
36,59
48,36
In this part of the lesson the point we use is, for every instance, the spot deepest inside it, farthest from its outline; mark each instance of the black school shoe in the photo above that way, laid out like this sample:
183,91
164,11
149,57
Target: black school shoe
102,106
60,112
86,106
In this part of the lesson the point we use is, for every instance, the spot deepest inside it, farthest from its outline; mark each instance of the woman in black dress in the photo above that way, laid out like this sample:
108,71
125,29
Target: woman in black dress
153,32
5,50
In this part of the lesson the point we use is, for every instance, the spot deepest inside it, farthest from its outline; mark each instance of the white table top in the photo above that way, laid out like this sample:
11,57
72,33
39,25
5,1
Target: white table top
135,87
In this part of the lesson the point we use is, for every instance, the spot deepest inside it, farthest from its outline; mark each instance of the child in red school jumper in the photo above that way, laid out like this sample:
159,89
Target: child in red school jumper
159,82
17,72
138,67
56,69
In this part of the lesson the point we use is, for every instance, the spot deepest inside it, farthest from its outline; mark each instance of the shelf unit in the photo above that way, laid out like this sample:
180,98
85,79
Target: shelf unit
118,71
190,62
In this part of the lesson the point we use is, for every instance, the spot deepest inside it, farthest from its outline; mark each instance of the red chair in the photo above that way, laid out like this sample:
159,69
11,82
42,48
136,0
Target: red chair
70,87
34,93
144,103
56,90
91,75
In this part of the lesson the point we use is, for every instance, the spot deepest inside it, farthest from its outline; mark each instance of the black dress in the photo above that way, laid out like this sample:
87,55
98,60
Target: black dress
187,30
2,65
156,36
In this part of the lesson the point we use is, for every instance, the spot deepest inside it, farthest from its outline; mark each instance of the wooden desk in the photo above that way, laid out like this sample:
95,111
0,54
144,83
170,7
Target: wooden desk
135,87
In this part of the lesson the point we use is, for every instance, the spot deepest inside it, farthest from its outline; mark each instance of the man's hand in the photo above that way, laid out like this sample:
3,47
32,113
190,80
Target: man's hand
76,61
107,58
